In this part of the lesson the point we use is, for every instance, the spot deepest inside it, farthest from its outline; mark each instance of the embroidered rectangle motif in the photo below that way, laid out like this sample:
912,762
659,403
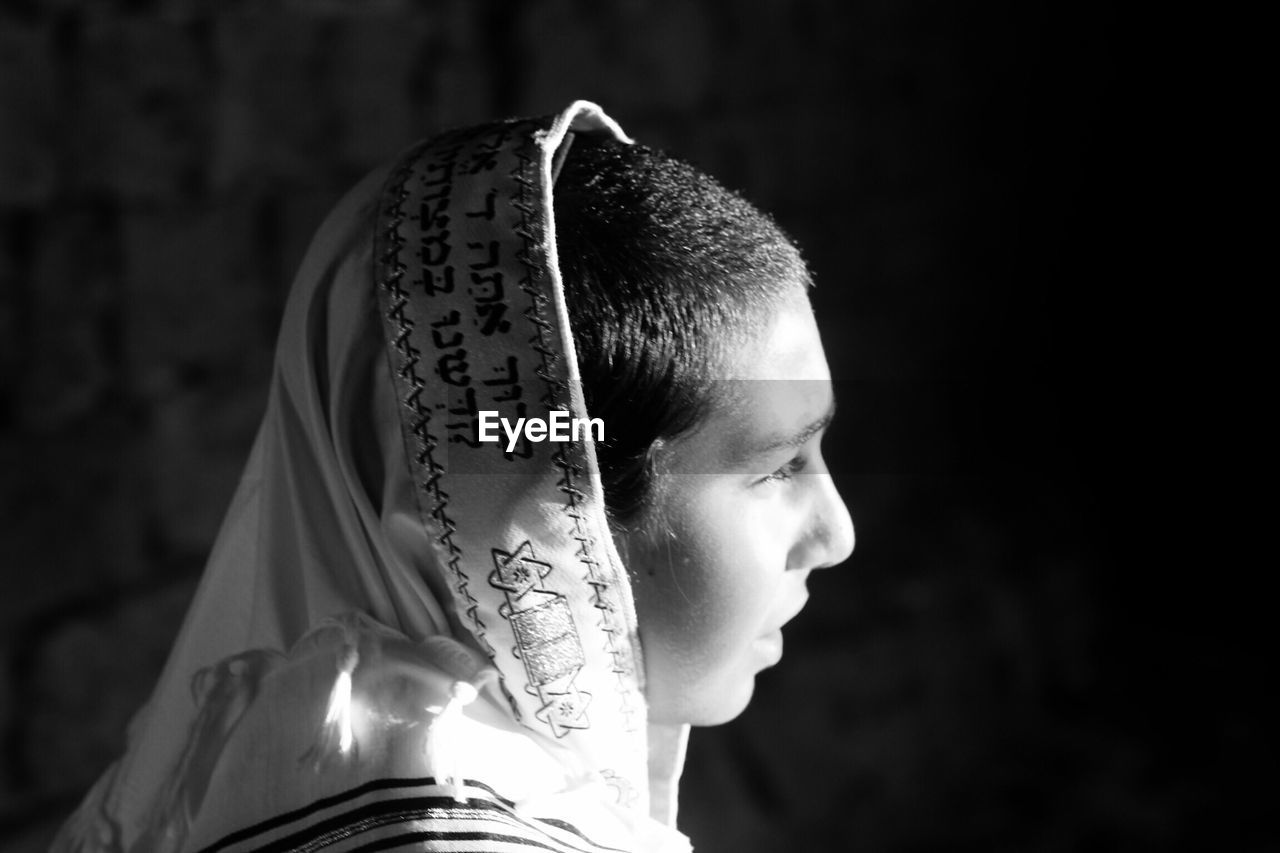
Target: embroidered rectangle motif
547,640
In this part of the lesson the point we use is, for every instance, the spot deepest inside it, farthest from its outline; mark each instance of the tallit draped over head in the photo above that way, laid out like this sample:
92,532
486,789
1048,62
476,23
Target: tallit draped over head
404,634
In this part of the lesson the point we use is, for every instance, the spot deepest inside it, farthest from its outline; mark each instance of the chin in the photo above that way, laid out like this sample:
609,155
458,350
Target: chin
711,708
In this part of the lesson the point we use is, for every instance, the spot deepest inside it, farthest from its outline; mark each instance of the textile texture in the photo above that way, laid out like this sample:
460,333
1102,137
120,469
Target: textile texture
405,635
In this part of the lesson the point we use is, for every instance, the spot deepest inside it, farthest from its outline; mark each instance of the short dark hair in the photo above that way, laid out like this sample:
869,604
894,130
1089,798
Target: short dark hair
666,272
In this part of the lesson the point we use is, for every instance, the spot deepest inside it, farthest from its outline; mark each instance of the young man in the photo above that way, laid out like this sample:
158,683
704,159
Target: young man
410,636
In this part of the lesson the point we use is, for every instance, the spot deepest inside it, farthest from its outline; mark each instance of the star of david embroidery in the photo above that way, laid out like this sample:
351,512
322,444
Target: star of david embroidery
519,572
565,711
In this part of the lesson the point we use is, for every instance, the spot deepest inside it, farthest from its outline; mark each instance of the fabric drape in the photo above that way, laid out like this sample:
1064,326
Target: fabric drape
405,635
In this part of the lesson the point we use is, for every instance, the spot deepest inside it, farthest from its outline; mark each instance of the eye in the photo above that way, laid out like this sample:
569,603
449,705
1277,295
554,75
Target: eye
793,466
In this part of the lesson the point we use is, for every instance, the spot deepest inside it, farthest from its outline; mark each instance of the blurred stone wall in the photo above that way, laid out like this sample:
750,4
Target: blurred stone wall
163,164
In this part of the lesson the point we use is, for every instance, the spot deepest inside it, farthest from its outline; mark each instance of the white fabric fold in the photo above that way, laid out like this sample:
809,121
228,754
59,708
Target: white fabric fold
377,562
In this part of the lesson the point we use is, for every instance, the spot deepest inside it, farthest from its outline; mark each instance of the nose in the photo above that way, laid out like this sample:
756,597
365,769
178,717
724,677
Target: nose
829,539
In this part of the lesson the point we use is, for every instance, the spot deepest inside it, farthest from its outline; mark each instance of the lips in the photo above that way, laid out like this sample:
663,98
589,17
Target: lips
795,611
771,641
770,645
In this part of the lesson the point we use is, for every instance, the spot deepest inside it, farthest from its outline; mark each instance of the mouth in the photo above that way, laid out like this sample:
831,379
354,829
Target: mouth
770,646
770,642
797,610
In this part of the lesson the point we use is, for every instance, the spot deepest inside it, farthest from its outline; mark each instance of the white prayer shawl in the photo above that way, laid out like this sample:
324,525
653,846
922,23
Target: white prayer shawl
405,635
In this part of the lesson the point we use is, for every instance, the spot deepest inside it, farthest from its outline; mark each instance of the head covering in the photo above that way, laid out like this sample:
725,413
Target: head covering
405,633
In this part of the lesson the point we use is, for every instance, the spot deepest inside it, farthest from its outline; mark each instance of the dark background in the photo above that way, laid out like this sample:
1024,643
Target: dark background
1042,642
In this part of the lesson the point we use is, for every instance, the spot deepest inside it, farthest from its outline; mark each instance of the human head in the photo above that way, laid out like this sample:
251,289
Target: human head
696,345
667,274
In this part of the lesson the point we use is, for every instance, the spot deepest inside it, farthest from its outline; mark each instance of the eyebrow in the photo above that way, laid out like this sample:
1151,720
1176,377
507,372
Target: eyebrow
799,437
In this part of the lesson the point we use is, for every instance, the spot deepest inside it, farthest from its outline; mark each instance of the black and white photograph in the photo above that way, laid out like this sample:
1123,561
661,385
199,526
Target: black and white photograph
649,426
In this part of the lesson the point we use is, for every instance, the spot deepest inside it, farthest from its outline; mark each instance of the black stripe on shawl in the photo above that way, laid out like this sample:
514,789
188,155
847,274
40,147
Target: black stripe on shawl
380,814
419,837
337,799
492,819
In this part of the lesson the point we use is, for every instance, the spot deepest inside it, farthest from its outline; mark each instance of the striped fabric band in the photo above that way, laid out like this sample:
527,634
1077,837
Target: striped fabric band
395,814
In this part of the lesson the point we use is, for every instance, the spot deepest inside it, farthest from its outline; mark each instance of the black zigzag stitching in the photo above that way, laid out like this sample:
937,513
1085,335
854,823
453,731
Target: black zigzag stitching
529,256
400,327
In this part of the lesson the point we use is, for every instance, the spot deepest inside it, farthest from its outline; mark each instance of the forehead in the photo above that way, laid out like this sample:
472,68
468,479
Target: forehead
788,348
776,385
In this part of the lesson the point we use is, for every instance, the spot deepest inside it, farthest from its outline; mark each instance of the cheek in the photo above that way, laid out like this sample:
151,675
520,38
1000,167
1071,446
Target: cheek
710,590
705,592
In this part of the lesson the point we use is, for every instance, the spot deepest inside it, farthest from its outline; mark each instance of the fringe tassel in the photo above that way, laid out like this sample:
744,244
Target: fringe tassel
442,748
337,718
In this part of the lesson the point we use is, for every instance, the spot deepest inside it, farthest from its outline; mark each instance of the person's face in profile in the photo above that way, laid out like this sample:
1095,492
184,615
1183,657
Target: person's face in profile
744,508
